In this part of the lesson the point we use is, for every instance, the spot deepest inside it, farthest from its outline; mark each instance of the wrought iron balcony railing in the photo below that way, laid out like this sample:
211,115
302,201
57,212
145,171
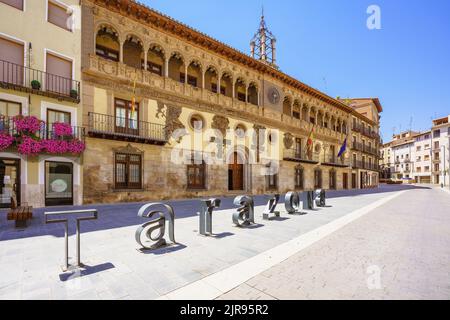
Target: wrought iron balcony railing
107,126
332,160
18,77
46,131
300,156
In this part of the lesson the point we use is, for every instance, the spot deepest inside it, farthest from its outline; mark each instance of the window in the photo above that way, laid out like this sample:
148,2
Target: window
59,15
190,79
418,148
197,122
58,183
154,68
317,179
11,62
436,145
296,115
196,174
240,131
436,133
59,74
299,177
18,4
10,109
128,171
272,181
298,148
57,116
332,176
127,119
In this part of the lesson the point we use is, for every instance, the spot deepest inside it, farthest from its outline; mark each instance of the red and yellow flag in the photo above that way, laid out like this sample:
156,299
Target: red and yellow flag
310,140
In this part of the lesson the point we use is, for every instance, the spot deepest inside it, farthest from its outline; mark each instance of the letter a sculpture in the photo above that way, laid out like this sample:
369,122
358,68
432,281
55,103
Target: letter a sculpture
206,210
244,216
148,229
271,206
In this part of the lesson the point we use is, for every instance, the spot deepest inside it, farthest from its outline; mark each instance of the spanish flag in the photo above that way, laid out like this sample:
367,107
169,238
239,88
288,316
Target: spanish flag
310,143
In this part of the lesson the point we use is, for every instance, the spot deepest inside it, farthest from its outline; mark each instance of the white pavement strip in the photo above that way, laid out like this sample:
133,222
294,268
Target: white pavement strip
225,280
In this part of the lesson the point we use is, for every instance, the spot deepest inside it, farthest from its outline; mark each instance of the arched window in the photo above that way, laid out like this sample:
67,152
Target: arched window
107,44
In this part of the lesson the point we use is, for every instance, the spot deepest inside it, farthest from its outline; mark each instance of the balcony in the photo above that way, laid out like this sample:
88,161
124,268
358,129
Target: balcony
365,165
436,159
20,78
357,146
333,161
116,128
298,156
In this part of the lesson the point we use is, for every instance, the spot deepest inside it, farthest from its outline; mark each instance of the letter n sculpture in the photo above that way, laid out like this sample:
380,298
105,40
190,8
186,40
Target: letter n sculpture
151,234
206,210
269,211
244,216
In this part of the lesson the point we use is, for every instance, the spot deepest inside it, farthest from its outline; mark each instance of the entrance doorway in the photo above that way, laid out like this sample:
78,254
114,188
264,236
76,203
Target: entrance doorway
236,173
9,181
353,180
58,183
345,180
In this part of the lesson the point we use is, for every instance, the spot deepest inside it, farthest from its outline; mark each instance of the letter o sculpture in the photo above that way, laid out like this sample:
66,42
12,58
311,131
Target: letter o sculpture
292,202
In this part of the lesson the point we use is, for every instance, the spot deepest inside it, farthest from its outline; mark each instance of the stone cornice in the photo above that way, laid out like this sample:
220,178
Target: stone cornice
155,19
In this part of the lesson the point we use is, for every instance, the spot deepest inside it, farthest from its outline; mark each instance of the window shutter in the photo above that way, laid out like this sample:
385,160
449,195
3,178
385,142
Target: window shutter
14,3
59,16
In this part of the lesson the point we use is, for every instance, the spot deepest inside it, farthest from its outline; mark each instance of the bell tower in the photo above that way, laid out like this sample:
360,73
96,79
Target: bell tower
263,44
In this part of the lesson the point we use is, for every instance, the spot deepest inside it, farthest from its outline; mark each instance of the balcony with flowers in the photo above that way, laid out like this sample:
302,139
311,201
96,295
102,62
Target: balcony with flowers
30,136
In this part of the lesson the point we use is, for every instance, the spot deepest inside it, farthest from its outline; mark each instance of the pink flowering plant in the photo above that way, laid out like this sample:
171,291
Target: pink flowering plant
29,146
27,125
5,141
62,129
29,142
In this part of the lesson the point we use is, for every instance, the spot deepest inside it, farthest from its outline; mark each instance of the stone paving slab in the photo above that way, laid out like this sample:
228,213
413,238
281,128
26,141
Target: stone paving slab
405,244
30,259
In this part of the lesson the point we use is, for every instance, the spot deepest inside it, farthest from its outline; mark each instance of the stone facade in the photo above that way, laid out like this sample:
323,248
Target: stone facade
186,75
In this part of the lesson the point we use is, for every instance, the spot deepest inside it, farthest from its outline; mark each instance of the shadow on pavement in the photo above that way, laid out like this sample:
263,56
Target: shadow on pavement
111,216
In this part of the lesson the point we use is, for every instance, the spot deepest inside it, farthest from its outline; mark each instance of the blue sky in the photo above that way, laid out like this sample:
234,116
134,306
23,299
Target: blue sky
326,44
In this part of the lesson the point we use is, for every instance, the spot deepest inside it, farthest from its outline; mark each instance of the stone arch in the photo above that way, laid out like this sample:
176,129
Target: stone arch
156,57
176,66
107,41
133,50
194,73
211,76
226,83
287,105
253,93
246,158
240,88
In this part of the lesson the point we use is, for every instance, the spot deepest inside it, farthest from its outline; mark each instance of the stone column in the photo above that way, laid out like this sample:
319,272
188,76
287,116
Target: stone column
166,66
146,49
203,79
246,94
121,43
186,73
219,78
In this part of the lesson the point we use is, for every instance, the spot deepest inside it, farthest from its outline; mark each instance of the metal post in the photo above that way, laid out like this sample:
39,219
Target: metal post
66,246
78,245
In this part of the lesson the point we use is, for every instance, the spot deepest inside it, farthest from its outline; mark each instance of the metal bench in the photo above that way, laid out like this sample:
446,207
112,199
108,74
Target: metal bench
20,213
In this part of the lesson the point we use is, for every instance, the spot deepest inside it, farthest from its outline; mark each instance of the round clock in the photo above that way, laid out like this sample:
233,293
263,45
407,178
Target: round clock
273,95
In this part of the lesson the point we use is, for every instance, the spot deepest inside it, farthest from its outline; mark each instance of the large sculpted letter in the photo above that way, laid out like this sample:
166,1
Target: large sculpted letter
244,216
308,200
292,202
271,206
320,198
158,224
206,210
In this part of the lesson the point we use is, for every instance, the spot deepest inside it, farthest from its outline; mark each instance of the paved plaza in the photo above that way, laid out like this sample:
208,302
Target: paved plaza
402,234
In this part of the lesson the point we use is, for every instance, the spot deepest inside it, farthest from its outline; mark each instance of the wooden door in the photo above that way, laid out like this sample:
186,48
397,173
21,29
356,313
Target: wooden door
353,180
345,180
236,174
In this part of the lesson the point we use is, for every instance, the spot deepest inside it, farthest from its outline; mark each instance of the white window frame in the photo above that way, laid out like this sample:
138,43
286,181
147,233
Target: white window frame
24,5
61,4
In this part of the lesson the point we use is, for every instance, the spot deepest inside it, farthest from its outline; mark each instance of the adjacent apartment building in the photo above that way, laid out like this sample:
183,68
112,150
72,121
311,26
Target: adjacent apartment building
40,72
420,157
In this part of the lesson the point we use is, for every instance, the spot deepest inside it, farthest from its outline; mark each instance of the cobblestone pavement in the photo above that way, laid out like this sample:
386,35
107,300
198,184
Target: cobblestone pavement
401,250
